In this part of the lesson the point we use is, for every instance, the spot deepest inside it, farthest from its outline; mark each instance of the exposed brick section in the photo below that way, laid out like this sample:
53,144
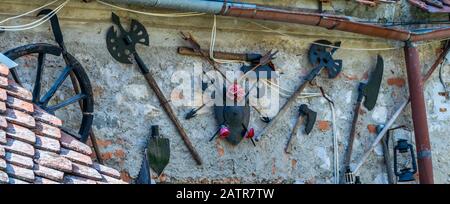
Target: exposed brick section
76,157
3,82
19,147
52,160
40,180
18,104
4,71
2,164
46,143
20,173
19,92
106,170
3,123
20,118
86,172
323,125
69,142
2,152
19,160
42,116
20,133
48,173
2,107
372,128
47,130
2,137
3,94
111,180
396,81
69,179
3,177
17,181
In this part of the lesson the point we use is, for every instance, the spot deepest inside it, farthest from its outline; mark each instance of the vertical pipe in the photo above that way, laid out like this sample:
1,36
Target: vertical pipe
419,114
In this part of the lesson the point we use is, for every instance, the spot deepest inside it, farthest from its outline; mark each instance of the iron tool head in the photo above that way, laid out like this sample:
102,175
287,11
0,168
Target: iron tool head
321,56
121,44
310,117
371,90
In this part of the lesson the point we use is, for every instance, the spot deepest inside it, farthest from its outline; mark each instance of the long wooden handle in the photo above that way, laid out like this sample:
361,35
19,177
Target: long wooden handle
165,104
219,55
293,136
282,111
348,155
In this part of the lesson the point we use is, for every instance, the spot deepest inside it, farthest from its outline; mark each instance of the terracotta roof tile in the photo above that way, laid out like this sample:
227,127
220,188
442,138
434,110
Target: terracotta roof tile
70,142
19,147
86,172
17,181
111,180
3,94
3,82
2,107
46,143
20,173
69,179
42,116
40,180
47,130
20,133
20,118
2,152
48,173
19,160
106,170
52,160
17,91
4,70
76,157
3,177
19,104
2,137
3,123
2,164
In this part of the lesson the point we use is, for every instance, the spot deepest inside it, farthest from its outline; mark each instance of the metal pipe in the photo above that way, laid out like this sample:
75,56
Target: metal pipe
419,114
253,11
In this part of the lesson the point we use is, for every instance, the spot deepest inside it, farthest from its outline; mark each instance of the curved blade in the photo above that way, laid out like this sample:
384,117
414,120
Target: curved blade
55,27
372,89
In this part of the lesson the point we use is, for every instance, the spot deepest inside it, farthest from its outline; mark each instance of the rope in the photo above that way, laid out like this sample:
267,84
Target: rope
33,24
32,11
213,43
170,15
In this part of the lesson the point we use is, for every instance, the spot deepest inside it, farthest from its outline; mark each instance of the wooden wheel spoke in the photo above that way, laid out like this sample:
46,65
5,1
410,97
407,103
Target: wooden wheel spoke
37,84
46,98
67,102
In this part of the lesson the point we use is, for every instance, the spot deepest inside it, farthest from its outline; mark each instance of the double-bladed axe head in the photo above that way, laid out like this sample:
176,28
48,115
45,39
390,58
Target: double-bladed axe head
321,56
371,90
310,117
121,43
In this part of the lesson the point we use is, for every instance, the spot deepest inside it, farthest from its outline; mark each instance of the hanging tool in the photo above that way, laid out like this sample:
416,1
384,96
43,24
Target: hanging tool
145,175
158,151
87,114
387,155
397,113
122,46
310,115
221,55
369,91
321,57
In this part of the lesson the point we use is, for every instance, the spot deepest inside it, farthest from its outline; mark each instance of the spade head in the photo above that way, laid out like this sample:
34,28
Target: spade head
321,56
121,43
158,152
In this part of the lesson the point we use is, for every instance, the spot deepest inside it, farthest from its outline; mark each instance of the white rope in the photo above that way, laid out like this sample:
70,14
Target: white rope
32,11
171,15
36,23
213,43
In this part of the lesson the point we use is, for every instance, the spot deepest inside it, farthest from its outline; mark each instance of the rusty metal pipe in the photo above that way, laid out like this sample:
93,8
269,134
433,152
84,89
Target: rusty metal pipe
419,114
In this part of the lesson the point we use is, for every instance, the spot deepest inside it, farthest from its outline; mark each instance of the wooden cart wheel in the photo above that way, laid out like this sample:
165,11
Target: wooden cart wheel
82,98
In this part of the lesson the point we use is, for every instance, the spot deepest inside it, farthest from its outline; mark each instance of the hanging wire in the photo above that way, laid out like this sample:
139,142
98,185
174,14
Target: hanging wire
29,12
213,43
36,23
170,15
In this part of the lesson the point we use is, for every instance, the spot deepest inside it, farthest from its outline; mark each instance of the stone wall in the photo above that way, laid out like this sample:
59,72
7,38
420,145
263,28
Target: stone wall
125,107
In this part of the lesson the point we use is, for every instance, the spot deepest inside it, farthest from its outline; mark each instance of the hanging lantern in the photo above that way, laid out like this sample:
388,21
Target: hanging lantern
406,173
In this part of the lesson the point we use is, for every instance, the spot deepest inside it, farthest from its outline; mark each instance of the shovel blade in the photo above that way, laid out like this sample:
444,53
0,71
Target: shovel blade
158,154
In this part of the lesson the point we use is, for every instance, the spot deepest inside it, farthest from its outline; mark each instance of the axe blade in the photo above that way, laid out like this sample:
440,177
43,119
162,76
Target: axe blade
310,118
372,88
